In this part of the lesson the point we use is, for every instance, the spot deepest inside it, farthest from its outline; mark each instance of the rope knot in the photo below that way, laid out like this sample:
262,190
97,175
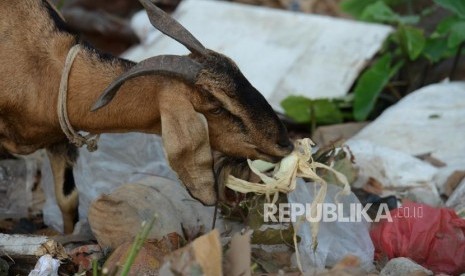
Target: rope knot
75,138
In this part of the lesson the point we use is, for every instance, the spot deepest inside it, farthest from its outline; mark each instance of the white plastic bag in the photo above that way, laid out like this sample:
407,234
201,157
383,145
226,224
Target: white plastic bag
46,266
120,158
335,239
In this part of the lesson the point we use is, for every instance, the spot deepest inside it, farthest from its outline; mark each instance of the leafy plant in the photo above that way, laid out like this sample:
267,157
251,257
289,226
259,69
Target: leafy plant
405,45
316,112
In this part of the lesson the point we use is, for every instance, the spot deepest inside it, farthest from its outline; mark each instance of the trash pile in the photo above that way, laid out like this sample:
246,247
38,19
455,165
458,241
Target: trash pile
385,197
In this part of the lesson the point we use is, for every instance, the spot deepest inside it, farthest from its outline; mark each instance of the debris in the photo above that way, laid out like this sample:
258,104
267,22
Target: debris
17,177
83,256
442,136
22,245
431,159
201,257
46,266
237,258
327,135
453,182
121,158
294,62
336,239
285,173
148,260
420,232
404,266
388,167
457,199
112,217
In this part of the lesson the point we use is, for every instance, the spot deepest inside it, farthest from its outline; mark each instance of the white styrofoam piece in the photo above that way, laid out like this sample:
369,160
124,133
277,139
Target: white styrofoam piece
280,52
429,120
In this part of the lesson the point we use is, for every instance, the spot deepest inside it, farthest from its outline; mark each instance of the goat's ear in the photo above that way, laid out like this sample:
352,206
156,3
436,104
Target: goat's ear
185,139
170,65
167,25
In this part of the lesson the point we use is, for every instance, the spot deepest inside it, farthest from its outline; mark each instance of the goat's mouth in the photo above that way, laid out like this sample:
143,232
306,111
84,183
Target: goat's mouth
262,155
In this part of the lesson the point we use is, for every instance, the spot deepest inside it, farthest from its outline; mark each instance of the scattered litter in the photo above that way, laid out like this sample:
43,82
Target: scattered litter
203,256
336,239
457,199
121,158
399,173
148,260
453,182
237,258
259,41
46,266
112,217
419,232
407,128
83,256
327,135
403,266
22,245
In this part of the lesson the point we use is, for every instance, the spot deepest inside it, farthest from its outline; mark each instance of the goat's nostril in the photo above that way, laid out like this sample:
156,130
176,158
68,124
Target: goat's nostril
286,144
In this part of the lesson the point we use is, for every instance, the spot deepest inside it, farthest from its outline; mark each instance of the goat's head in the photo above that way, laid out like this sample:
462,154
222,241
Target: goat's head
240,122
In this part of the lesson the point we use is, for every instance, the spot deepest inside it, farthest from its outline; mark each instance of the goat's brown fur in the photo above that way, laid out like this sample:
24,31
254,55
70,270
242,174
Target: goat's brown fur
33,49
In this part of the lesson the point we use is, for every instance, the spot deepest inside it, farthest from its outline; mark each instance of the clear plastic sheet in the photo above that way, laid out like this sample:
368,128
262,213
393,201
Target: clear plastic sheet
335,239
120,158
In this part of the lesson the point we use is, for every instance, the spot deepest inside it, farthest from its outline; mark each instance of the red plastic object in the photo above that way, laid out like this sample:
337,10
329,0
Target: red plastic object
433,238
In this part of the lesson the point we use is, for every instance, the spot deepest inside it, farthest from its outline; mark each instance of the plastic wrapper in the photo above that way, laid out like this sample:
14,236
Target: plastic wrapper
46,266
433,238
335,239
120,158
16,180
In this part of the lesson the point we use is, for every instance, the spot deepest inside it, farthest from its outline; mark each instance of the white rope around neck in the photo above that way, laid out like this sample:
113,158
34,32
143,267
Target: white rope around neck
75,138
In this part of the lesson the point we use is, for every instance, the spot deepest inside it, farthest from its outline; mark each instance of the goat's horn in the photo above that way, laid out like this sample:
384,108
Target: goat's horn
167,25
178,66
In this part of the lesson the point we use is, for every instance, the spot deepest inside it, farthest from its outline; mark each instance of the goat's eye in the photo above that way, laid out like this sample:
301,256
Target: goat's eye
217,111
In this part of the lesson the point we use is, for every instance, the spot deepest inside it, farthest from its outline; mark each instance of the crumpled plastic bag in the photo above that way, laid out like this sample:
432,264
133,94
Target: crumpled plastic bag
335,239
46,266
120,158
433,238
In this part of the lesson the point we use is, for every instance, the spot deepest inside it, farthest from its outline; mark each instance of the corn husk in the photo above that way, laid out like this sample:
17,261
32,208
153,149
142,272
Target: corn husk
284,178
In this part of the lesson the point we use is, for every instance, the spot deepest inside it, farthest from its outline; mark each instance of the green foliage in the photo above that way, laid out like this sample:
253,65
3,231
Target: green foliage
455,6
411,40
371,83
304,110
456,35
380,12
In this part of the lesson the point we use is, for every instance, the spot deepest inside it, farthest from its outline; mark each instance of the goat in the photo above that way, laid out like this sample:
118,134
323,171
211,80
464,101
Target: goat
198,103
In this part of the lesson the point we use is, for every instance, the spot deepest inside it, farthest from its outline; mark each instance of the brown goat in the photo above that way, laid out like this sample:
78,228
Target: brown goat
197,103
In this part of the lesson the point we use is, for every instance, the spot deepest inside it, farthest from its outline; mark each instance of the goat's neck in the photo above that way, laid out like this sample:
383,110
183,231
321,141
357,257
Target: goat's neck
135,107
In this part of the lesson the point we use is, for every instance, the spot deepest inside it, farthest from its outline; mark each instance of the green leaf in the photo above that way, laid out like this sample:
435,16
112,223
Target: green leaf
355,7
304,110
436,49
326,112
411,40
370,84
380,12
298,108
457,34
456,6
444,26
